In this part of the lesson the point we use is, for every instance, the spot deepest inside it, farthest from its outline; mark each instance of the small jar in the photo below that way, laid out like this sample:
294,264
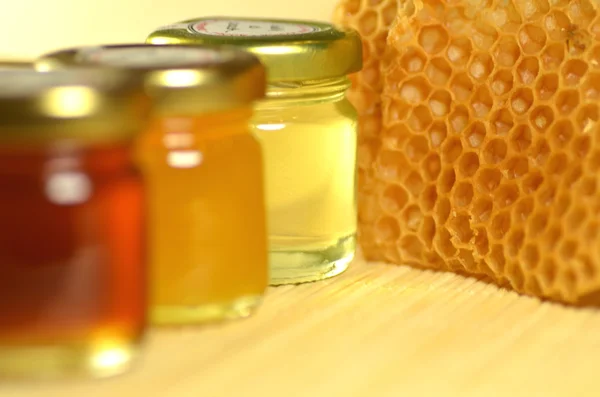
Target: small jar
208,240
72,261
308,131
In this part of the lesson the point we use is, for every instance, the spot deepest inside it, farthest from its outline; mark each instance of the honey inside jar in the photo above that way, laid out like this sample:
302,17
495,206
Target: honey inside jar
72,260
308,132
204,171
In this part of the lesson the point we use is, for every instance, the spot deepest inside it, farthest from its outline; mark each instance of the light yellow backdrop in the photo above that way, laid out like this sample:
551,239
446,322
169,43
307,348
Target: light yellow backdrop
31,27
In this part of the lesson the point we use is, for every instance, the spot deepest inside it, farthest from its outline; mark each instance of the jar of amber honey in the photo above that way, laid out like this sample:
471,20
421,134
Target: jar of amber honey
72,266
308,131
208,241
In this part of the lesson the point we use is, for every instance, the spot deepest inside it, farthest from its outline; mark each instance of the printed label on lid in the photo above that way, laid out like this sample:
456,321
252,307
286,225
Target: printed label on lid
219,27
149,56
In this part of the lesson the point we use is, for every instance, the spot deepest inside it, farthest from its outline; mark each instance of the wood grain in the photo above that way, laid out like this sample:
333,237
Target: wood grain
377,330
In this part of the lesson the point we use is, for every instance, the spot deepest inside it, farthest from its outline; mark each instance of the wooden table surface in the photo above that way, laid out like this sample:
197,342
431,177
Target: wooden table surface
376,330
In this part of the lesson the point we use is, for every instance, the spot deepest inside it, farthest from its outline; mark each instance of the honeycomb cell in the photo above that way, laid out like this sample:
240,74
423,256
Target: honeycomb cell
417,148
533,286
588,117
562,204
368,22
476,135
412,217
517,167
502,122
581,12
530,256
496,259
387,229
484,36
528,70
575,219
463,194
506,17
415,90
447,180
540,152
459,119
394,199
482,209
438,71
420,118
532,182
553,56
546,86
392,165
567,101
520,138
532,38
429,197
467,261
481,242
547,194
548,272
594,161
488,179
506,195
460,228
502,82
398,110
437,133
427,231
538,223
567,249
587,267
495,151
521,100
482,102
411,248
413,60
459,50
396,136
515,242
523,209
500,225
440,103
541,117
561,134
433,39
557,25
432,166
414,183
468,164
516,277
588,186
481,66
573,175
461,86
506,52
568,280
444,244
451,150
573,71
389,12
591,231
532,9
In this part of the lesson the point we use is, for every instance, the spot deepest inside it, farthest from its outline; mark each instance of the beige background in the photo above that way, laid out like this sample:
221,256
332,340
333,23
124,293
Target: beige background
30,27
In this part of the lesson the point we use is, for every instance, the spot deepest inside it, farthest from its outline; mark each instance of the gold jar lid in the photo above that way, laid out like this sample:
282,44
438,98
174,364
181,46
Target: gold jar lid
292,50
82,105
181,79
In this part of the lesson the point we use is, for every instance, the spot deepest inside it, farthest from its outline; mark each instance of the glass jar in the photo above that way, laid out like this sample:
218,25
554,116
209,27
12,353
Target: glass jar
72,262
308,131
208,239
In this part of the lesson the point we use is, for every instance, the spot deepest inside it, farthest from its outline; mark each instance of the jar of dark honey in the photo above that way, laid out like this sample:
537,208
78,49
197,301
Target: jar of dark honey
207,225
72,263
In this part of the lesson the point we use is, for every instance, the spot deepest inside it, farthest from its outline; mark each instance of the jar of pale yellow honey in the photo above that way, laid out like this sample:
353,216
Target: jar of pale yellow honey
208,242
308,131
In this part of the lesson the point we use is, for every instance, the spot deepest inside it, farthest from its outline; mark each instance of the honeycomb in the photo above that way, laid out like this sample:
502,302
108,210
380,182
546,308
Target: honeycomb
479,148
